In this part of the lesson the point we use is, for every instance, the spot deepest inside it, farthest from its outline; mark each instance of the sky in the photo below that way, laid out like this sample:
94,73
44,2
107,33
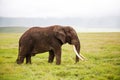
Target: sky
59,8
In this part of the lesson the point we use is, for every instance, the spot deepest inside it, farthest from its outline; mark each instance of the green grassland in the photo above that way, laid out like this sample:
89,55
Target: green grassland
101,49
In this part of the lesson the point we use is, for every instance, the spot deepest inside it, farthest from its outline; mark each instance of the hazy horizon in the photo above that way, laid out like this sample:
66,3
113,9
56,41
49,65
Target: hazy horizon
108,24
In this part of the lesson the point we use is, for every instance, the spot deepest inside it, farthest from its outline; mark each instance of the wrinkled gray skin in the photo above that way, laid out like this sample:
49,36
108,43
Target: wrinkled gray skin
49,39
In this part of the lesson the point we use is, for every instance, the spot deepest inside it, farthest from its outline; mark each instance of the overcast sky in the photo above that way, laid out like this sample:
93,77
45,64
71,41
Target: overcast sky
59,8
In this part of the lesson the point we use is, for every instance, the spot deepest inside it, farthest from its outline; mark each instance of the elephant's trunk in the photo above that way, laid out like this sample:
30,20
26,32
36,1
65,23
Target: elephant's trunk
77,54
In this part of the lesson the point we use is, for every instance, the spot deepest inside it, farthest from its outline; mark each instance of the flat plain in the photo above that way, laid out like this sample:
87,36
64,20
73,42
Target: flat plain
102,51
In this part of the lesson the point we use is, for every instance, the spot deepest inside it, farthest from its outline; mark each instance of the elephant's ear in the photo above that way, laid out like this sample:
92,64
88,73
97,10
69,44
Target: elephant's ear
59,33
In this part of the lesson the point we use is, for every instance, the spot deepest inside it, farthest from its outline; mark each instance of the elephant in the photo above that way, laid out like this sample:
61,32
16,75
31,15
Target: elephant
47,39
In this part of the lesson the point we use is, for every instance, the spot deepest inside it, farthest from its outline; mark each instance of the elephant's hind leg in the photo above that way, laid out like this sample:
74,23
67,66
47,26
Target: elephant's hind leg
28,55
21,55
28,59
20,59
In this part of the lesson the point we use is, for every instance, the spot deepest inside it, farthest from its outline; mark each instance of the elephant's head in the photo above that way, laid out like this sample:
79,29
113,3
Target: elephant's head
67,34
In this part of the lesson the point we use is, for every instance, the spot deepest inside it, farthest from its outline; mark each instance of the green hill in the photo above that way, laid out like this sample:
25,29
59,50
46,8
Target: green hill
12,29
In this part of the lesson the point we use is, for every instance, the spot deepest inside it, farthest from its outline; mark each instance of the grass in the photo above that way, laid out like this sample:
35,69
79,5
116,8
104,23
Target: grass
101,49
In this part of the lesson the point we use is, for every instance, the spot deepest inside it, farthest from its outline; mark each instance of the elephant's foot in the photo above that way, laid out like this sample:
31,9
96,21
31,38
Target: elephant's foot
49,61
28,62
58,63
19,61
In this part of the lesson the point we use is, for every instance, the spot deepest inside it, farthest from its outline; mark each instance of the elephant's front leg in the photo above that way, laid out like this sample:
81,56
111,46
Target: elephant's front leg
58,56
51,56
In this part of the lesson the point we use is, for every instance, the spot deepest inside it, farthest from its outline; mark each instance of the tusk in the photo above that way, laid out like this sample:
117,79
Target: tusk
82,56
77,53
